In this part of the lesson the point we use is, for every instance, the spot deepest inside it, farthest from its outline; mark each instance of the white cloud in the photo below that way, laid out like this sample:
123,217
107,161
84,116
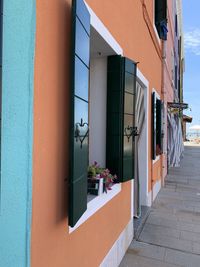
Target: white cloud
192,41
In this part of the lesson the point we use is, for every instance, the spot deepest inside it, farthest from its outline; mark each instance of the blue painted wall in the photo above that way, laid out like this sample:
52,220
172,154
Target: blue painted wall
17,132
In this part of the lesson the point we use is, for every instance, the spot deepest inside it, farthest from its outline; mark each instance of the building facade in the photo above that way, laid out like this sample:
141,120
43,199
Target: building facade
83,81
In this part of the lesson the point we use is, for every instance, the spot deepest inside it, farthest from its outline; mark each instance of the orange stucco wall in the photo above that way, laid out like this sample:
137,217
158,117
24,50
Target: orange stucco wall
51,243
128,27
169,63
168,71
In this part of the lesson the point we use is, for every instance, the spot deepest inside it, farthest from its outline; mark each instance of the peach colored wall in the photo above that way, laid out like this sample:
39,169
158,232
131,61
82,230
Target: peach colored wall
168,68
169,50
139,47
51,243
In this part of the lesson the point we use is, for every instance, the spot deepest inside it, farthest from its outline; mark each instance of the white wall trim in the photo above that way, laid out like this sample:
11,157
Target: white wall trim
154,25
156,93
156,159
142,78
98,25
98,110
97,203
153,194
156,189
145,84
149,199
118,250
132,198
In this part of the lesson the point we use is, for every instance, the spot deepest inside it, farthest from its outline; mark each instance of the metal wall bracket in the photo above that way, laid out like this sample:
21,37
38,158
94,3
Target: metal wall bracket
80,138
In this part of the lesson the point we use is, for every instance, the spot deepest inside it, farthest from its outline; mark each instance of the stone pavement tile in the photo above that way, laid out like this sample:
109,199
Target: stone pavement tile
161,230
170,195
187,188
169,189
196,248
173,205
185,216
170,186
197,209
146,250
185,235
166,241
163,213
196,218
194,182
172,229
131,260
195,196
174,212
177,182
169,199
191,227
173,196
182,258
157,220
194,177
178,215
192,203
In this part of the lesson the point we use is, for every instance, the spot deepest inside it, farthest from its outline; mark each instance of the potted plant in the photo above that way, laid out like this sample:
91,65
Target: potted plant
99,179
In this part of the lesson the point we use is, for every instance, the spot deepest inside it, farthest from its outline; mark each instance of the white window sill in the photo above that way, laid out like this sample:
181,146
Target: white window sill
95,204
156,32
157,158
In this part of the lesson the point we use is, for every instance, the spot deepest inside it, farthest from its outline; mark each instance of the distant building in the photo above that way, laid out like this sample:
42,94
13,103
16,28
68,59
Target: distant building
186,119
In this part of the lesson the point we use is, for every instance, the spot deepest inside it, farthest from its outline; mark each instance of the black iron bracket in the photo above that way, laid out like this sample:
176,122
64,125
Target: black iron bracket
130,131
80,138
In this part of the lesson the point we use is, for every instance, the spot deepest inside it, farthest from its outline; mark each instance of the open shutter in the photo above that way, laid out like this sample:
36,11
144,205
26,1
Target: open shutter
159,126
114,142
153,125
129,80
120,117
162,127
79,111
161,18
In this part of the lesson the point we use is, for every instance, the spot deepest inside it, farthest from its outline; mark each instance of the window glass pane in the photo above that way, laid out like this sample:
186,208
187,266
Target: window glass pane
81,138
82,45
128,103
128,122
81,83
129,83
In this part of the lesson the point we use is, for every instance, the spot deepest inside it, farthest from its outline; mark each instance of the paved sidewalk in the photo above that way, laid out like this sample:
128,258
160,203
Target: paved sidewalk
171,234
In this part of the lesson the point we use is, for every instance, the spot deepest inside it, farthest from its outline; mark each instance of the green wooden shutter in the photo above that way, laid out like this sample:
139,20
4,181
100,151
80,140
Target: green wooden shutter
161,18
153,125
114,141
129,78
162,127
79,111
159,126
120,117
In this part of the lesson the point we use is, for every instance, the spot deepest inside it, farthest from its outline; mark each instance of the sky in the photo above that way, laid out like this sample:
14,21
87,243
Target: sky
191,28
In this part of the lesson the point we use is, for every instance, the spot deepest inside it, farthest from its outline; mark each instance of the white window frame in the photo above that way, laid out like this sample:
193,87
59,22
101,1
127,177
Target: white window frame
154,24
98,202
